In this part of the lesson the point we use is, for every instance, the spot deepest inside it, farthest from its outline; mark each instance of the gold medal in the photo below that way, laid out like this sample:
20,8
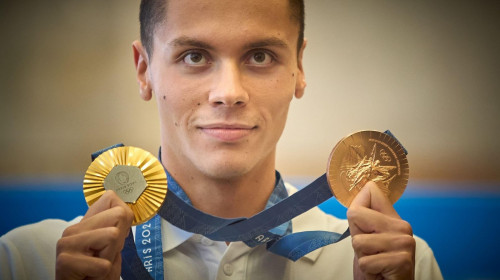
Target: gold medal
367,156
136,176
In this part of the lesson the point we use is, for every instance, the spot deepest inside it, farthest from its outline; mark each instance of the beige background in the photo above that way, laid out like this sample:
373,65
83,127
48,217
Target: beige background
427,70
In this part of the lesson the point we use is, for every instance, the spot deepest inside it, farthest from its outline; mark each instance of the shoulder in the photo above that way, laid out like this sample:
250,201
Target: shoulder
29,251
43,233
338,258
426,266
45,226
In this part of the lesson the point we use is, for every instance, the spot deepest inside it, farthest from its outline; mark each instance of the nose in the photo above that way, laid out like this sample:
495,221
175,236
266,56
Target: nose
228,89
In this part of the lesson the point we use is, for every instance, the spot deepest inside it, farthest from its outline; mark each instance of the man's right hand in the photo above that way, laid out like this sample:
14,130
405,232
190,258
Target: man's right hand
91,249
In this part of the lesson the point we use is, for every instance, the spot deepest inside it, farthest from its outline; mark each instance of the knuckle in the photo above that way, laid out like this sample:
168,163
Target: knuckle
352,212
104,267
356,243
108,195
405,261
113,233
407,241
120,212
63,260
98,267
71,230
61,245
363,264
124,214
130,215
406,227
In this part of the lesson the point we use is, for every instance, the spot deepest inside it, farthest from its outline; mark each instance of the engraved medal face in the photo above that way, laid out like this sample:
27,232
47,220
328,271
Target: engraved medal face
127,181
367,156
134,174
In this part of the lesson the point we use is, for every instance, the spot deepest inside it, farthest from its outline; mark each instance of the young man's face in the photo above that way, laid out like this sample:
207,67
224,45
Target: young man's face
224,73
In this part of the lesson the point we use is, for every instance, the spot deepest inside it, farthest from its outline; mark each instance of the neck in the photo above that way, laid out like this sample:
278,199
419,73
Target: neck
241,196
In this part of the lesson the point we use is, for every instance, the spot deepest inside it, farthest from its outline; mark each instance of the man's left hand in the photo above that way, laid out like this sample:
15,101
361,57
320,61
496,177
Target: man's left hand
383,243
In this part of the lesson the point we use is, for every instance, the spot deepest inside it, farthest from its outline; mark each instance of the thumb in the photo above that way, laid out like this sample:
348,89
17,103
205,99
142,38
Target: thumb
372,197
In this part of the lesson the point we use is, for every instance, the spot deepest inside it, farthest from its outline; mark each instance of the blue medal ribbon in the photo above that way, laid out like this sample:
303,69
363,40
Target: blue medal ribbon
275,231
278,239
149,246
272,226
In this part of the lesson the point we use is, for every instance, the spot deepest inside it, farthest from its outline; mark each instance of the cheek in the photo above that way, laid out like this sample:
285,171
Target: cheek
280,93
274,103
177,103
173,88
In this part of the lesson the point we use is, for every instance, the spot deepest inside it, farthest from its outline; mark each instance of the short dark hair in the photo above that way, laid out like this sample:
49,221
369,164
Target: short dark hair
152,13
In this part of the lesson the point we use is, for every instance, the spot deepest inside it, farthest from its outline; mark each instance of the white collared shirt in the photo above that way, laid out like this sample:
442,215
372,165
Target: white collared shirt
193,256
28,252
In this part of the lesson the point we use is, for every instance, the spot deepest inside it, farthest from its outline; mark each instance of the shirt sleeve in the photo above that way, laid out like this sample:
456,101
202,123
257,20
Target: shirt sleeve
11,266
29,252
426,266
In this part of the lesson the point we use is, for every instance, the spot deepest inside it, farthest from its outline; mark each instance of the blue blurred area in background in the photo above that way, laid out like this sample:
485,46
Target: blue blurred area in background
461,225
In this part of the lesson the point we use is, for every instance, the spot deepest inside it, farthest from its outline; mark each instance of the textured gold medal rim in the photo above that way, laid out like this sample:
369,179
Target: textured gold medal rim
151,199
335,176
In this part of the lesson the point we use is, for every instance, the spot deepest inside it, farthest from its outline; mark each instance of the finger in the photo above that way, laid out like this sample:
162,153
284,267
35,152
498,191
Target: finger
108,200
103,242
371,244
119,216
70,266
372,197
117,267
364,220
394,265
359,275
115,272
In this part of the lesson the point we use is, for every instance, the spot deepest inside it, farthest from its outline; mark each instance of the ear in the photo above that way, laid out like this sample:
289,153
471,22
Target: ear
300,84
142,68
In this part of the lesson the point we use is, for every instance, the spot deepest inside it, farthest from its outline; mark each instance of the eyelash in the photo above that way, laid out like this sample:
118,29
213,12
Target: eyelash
265,51
203,53
206,56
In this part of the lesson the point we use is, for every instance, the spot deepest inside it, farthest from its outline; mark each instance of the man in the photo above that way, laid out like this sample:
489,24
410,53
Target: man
223,74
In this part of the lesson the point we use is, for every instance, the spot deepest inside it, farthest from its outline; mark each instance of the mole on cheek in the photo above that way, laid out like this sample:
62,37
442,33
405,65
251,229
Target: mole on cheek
164,97
176,124
293,74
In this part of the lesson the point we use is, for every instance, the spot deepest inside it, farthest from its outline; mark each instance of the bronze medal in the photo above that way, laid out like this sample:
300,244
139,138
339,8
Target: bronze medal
136,176
367,156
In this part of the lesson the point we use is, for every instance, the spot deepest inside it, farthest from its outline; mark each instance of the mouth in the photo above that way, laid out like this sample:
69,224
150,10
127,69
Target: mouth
227,132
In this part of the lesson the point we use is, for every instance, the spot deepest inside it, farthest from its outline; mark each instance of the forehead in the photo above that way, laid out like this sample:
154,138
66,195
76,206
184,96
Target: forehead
227,20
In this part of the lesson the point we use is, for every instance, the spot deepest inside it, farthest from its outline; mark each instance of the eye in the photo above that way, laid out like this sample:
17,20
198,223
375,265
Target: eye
260,58
195,58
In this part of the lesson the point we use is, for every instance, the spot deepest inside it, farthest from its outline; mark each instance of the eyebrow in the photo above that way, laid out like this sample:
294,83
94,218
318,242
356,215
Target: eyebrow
188,41
268,42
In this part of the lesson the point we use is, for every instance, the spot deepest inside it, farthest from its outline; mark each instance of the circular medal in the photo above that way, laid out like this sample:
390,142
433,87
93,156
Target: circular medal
367,156
136,176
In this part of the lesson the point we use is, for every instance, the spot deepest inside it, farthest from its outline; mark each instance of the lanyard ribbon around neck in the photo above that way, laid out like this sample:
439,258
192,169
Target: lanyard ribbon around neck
272,227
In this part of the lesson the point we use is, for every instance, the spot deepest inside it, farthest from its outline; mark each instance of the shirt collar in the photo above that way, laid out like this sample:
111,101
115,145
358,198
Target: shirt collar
309,221
173,236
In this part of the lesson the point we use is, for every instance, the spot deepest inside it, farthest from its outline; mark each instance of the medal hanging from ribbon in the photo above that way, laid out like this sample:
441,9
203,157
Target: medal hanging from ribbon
358,158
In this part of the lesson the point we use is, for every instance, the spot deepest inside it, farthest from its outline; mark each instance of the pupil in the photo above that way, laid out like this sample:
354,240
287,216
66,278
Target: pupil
259,57
196,57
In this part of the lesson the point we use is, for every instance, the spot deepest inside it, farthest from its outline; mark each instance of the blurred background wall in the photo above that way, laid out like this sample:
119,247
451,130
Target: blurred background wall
427,70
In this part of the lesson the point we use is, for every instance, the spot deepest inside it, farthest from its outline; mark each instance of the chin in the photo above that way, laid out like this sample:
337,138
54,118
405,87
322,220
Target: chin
225,170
